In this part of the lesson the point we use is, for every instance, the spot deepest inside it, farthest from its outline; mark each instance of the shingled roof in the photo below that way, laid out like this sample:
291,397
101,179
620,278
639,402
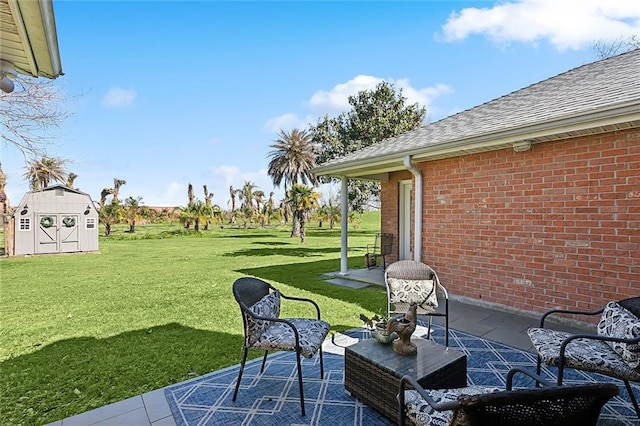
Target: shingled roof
593,98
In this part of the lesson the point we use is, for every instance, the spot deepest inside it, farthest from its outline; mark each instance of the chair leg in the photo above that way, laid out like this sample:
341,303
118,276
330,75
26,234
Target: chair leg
321,364
634,401
300,382
429,327
264,361
538,369
244,359
446,324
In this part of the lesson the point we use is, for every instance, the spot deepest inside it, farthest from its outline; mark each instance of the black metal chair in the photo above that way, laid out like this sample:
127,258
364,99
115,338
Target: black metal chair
410,281
264,329
578,405
614,351
381,248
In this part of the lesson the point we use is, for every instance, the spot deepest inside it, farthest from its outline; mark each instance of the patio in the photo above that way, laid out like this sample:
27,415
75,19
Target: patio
480,320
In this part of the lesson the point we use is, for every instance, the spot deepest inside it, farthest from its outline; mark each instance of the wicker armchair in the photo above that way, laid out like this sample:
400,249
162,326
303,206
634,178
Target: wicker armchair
577,405
409,281
614,351
264,329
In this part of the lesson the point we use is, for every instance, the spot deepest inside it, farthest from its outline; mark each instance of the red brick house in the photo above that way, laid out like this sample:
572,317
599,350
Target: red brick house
531,200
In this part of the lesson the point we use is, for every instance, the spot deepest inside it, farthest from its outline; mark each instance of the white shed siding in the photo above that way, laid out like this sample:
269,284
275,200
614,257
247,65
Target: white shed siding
54,220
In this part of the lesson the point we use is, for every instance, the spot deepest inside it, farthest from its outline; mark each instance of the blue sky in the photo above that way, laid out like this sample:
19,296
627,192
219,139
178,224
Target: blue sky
167,93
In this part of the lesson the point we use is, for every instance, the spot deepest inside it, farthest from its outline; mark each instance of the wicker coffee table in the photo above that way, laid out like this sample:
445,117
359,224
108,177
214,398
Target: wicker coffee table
372,371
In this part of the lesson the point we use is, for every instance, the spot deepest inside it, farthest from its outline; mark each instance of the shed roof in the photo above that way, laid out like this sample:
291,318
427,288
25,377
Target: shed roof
593,98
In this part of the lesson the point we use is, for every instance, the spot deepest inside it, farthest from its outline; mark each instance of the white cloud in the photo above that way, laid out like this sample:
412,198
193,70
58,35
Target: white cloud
226,176
338,97
117,97
285,122
566,24
336,100
424,96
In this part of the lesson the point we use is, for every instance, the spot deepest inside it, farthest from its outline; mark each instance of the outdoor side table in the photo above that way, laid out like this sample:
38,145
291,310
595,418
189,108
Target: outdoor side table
372,371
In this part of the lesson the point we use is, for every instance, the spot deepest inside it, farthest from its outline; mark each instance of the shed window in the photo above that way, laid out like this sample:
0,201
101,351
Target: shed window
25,224
90,223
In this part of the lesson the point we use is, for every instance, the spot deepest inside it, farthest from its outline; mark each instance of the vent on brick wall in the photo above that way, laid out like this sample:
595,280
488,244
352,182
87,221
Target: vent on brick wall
522,146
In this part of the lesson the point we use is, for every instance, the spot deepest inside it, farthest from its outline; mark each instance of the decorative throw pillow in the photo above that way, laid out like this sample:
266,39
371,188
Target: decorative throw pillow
616,321
423,292
268,306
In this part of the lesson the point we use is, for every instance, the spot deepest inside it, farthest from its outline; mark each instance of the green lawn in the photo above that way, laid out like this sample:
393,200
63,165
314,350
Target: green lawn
84,330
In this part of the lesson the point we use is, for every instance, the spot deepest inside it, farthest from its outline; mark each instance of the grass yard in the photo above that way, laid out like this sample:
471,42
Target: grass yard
85,330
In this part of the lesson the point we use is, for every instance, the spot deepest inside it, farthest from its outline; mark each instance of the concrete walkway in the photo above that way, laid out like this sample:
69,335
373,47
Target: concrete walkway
483,320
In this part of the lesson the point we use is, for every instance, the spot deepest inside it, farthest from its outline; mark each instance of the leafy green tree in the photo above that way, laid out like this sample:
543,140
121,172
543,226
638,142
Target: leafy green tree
375,115
303,200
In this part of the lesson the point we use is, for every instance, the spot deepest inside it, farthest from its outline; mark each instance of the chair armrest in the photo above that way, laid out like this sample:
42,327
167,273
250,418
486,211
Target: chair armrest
289,323
537,378
444,406
302,299
565,311
565,342
568,340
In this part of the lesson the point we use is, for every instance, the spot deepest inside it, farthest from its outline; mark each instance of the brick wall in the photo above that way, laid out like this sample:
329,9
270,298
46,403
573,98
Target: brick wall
555,226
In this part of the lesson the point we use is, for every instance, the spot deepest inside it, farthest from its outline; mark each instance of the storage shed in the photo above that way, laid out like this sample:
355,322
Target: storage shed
55,219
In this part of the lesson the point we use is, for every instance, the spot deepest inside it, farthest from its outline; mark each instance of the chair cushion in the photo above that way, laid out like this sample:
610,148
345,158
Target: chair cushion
280,336
268,306
582,354
421,413
423,292
616,321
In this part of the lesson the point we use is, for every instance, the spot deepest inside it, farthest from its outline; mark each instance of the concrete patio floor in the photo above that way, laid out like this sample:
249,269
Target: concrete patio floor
479,319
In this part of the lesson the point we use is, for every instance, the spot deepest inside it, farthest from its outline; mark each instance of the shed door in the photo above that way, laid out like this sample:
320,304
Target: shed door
58,233
69,235
47,239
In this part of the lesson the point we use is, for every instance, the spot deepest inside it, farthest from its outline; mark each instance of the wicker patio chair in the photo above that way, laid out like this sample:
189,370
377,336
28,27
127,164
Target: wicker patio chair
552,405
614,351
264,329
410,281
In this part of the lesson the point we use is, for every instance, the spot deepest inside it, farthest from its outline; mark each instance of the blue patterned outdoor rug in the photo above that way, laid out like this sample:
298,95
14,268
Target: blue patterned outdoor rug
272,398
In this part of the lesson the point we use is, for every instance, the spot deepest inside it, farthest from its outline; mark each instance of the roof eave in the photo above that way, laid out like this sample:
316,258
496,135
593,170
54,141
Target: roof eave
596,121
37,53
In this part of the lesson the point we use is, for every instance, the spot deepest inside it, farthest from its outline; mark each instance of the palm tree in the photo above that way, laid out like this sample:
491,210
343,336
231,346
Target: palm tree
196,213
292,159
132,209
41,172
303,199
269,208
117,183
246,196
109,215
71,177
328,212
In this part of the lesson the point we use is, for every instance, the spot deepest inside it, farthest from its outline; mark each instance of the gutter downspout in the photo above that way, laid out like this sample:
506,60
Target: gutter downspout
417,210
344,205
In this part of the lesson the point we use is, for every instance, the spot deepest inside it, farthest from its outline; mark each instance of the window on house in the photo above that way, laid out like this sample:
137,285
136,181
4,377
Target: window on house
90,223
25,224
